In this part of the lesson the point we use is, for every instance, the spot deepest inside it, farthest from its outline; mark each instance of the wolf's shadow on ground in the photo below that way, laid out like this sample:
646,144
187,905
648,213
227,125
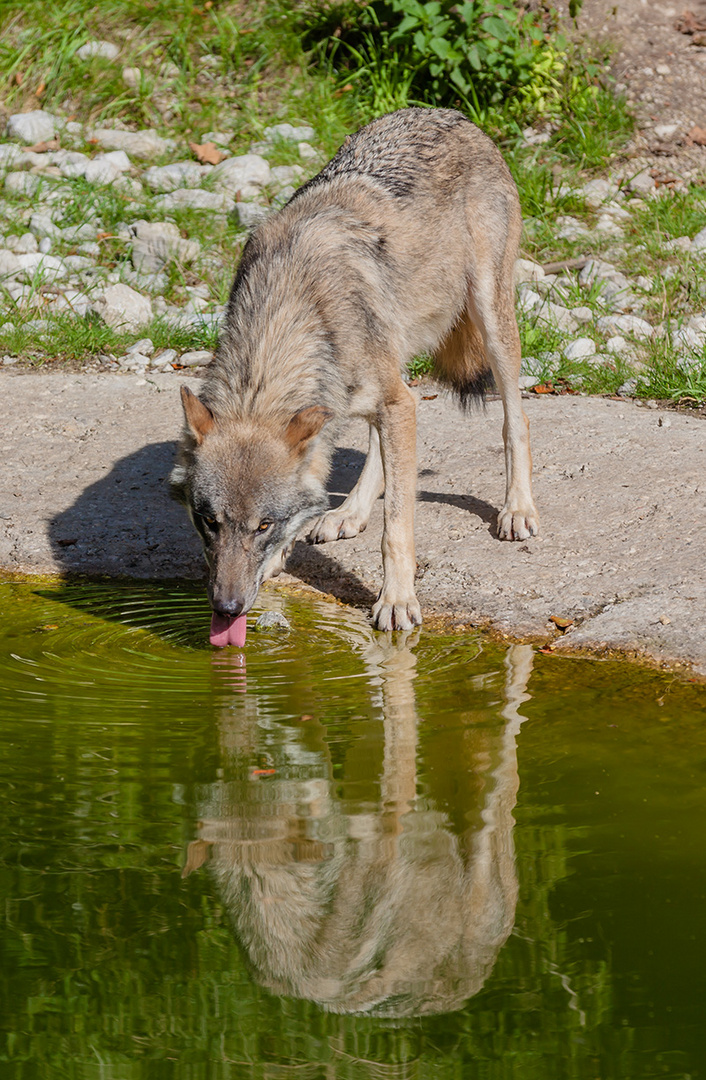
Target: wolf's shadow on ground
127,525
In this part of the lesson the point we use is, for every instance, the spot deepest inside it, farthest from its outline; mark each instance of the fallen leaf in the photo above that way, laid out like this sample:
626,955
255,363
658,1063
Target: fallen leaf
697,136
42,147
207,153
687,23
40,89
429,397
51,626
546,649
18,78
543,388
560,622
264,772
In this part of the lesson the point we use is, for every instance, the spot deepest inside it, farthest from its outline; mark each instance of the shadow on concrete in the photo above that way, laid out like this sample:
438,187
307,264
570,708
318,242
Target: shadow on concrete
479,507
127,525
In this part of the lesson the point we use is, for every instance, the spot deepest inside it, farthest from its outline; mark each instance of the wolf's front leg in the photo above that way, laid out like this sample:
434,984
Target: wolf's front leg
352,516
397,607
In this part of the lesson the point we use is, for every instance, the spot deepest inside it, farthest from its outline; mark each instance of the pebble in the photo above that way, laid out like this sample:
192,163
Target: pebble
580,348
146,144
196,358
271,620
105,49
122,307
195,199
179,174
241,171
33,127
289,133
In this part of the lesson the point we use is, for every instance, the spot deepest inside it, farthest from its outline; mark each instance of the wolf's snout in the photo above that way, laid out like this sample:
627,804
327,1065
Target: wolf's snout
231,607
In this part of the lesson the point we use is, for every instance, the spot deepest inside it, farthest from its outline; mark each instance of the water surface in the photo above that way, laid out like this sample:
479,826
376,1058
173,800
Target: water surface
339,854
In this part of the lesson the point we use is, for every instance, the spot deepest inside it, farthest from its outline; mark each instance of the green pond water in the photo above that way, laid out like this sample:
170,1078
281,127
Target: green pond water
339,855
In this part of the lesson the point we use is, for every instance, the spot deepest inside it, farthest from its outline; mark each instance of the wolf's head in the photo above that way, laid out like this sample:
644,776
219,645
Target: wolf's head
250,487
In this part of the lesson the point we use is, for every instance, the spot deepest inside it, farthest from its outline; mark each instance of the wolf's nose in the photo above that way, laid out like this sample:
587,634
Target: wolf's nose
228,607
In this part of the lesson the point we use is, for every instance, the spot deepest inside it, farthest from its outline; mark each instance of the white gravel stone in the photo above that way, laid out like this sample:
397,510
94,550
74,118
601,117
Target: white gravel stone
129,186
72,234
196,358
11,157
132,76
180,174
608,225
105,49
557,315
680,243
626,324
9,264
570,228
699,241
71,163
33,127
193,199
307,151
617,344
146,144
159,242
283,175
50,267
528,381
166,357
22,245
121,306
45,245
21,183
72,300
582,314
526,270
579,348
104,168
144,346
686,337
250,215
240,171
666,131
597,192
290,133
643,183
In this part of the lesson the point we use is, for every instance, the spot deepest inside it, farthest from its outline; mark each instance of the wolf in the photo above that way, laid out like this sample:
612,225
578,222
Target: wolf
403,244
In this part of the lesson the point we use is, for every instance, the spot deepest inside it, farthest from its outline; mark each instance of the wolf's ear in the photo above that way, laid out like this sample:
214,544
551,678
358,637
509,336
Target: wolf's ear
199,417
305,424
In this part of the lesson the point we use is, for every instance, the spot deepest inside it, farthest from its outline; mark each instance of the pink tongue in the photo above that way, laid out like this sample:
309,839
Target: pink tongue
228,630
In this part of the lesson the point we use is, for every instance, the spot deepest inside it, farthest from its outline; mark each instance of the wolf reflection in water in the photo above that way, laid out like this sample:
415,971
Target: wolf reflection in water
383,909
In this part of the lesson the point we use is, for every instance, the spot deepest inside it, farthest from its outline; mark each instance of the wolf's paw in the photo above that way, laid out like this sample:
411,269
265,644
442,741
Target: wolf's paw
336,525
518,524
400,615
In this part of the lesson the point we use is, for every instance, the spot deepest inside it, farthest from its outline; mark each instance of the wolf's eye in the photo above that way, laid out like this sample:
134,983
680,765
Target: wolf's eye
209,522
263,526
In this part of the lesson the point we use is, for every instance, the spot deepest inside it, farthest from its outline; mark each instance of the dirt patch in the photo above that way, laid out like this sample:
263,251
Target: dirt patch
661,70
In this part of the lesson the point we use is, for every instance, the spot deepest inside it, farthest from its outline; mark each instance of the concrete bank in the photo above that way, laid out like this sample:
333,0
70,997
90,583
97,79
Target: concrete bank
621,491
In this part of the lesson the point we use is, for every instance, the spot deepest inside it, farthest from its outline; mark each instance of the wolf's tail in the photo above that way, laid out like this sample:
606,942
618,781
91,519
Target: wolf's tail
461,364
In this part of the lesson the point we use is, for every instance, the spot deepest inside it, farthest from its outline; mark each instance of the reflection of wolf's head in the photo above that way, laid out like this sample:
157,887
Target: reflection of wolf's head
250,487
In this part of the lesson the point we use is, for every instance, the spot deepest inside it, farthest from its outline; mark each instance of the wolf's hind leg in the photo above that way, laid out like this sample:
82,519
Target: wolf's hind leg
352,516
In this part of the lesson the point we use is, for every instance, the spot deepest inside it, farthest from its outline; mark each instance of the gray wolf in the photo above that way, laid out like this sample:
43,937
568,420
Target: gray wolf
404,243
